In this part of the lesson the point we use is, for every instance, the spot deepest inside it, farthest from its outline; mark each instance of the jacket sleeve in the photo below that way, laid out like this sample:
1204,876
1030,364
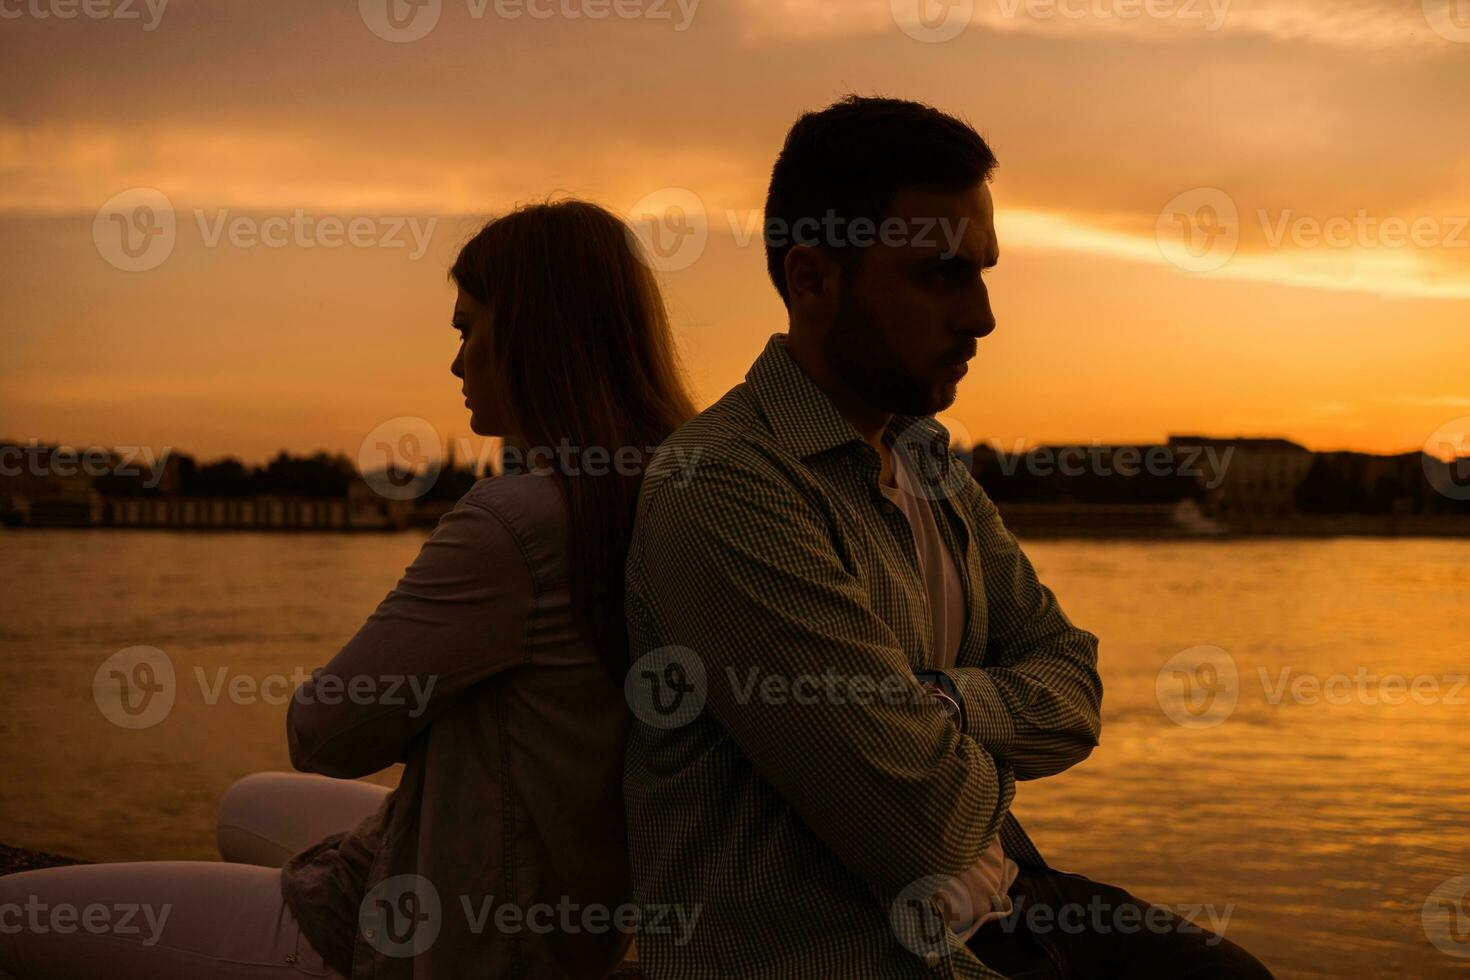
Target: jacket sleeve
457,616
811,684
1037,702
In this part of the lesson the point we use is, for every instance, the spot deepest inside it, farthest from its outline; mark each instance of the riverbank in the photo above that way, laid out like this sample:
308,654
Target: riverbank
14,860
1184,521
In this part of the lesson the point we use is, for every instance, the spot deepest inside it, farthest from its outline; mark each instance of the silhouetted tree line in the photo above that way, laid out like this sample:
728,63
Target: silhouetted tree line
451,484
321,475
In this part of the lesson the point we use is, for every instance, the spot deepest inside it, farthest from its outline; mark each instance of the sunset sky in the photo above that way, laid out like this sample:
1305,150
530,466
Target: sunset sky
1337,131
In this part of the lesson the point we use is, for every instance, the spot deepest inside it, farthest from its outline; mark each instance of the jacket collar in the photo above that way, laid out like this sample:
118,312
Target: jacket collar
804,420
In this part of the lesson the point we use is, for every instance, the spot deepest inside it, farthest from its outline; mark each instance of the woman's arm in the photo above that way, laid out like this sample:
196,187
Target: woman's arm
458,616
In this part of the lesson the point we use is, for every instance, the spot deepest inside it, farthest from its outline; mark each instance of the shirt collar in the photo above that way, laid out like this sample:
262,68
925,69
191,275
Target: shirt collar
803,418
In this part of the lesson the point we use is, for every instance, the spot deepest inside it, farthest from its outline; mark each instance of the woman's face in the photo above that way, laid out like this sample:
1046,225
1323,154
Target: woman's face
473,365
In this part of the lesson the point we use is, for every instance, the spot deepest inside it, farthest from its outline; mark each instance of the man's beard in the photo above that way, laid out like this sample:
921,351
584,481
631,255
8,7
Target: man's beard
865,361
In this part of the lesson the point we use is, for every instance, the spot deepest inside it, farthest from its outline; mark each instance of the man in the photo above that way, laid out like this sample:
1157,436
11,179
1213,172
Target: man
842,659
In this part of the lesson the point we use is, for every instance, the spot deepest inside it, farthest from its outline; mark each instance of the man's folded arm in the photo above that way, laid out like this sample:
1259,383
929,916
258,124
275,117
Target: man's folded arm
741,569
1037,701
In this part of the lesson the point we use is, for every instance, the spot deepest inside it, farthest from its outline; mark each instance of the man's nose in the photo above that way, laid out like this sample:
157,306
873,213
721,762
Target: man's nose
985,326
977,318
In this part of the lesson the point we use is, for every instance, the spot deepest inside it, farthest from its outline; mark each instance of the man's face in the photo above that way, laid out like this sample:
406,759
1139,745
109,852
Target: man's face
911,308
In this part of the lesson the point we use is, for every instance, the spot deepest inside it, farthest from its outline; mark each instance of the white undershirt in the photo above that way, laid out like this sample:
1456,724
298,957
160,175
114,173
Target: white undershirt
978,894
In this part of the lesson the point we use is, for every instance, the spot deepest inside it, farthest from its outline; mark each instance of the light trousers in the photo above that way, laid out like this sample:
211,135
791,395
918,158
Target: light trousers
184,919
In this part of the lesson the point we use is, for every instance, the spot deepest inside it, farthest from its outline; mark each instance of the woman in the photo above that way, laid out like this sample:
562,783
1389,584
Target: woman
493,671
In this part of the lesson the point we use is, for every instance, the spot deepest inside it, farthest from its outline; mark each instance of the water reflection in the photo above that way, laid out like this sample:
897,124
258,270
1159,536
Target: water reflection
1326,825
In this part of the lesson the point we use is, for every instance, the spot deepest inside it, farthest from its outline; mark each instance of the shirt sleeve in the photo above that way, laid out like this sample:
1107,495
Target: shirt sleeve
1037,701
744,571
457,616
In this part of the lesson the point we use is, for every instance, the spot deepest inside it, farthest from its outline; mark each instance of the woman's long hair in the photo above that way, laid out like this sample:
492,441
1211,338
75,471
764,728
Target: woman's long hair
582,345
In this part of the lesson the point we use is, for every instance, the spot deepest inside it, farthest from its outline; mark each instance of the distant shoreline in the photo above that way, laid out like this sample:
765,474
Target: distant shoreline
1184,521
1245,536
14,860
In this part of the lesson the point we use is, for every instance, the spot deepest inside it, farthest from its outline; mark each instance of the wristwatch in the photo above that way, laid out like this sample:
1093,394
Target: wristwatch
937,684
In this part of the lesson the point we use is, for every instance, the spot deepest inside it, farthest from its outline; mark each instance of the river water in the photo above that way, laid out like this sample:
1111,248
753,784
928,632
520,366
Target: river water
1286,737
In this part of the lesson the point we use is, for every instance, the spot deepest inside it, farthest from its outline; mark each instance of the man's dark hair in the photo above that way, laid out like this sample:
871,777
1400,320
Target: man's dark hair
853,157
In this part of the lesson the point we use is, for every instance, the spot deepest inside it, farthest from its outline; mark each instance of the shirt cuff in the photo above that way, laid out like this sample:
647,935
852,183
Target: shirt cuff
987,718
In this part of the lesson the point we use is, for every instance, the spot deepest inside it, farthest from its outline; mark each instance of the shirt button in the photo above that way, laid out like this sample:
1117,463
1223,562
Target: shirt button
368,933
932,958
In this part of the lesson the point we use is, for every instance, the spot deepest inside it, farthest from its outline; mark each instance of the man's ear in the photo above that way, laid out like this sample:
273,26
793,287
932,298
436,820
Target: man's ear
813,282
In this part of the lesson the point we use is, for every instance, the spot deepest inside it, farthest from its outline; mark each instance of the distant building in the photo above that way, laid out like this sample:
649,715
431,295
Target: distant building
1356,483
1258,478
50,484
